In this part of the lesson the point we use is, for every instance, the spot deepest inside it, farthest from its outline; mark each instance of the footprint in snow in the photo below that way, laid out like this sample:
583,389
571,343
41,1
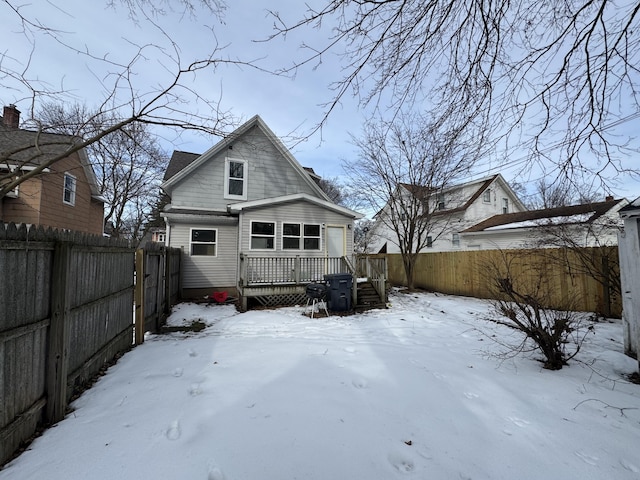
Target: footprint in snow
177,372
195,390
586,458
173,432
518,421
402,463
629,466
193,353
215,474
360,383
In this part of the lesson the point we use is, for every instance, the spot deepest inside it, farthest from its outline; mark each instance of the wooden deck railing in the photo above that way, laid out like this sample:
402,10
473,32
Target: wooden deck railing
255,271
374,269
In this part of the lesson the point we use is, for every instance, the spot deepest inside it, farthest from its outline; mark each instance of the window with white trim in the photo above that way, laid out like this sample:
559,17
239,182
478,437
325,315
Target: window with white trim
455,240
204,242
291,236
311,239
235,179
263,236
440,201
429,241
505,205
69,192
486,196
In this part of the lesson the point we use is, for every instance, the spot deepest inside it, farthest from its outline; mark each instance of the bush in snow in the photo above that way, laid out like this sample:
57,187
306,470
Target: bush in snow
521,303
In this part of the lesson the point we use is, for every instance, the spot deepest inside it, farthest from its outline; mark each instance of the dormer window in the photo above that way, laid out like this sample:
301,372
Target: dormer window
235,181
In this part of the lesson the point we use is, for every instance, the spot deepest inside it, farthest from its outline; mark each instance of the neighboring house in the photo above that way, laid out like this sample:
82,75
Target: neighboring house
629,251
64,196
251,220
454,209
585,225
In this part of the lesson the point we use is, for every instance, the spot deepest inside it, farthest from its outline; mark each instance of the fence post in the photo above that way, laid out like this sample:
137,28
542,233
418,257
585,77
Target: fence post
139,297
168,257
58,360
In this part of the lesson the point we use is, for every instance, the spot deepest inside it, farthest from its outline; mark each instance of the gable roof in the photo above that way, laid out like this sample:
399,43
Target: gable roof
631,210
568,215
296,197
478,187
179,160
27,149
191,164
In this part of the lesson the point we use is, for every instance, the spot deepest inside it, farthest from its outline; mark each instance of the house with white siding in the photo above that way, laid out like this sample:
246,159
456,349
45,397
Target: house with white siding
629,247
451,210
251,221
593,224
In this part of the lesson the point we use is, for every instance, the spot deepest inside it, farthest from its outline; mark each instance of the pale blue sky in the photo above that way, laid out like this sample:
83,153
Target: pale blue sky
290,106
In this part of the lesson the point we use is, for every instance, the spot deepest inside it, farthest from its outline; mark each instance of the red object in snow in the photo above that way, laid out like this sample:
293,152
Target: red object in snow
219,297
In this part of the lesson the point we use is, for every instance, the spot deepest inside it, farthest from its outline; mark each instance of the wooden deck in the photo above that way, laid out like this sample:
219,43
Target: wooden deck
283,280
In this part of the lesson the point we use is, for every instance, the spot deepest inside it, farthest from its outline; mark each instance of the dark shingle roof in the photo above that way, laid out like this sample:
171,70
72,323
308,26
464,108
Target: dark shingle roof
596,210
30,147
179,160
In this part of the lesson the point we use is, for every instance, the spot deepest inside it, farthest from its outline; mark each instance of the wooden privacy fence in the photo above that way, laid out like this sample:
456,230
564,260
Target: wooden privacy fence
159,269
581,279
65,311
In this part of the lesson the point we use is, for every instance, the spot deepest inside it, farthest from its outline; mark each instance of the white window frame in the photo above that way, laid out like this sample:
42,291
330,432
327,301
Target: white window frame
505,205
252,235
228,178
305,236
440,203
192,243
72,190
455,240
298,237
486,196
429,241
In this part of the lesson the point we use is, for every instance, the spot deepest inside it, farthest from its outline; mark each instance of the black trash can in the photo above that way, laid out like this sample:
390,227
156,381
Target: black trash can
339,291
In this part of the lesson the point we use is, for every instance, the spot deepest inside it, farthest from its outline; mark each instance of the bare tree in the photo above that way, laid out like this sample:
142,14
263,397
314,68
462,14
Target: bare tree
561,192
128,162
125,100
363,235
401,169
546,78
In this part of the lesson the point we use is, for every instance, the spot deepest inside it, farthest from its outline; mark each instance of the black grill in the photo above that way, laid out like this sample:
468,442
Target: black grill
316,290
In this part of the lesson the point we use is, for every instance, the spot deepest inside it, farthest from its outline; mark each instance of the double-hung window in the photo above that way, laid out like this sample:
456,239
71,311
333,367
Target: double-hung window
235,179
69,192
296,236
455,240
204,242
486,196
312,237
505,205
263,236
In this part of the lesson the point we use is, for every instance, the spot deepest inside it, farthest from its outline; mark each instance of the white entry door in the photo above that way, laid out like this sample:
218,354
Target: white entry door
335,247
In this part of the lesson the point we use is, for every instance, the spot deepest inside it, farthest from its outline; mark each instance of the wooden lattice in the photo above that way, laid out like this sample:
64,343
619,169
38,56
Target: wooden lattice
288,299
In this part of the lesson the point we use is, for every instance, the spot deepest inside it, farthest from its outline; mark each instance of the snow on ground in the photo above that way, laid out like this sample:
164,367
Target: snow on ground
414,391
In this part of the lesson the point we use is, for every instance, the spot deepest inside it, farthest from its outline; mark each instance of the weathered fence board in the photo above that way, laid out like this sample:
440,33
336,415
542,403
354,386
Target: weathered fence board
65,310
157,287
467,273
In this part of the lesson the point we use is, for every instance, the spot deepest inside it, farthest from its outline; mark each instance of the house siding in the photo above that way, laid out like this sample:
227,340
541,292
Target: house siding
268,175
207,272
40,201
300,212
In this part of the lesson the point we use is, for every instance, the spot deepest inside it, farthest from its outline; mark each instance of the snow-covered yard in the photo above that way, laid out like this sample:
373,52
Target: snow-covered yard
415,391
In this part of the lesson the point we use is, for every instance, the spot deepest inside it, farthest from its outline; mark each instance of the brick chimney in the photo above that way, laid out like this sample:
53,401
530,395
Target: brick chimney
608,198
11,116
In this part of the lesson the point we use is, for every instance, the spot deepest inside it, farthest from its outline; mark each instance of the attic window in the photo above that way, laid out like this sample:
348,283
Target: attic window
440,201
486,196
505,205
235,184
69,194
